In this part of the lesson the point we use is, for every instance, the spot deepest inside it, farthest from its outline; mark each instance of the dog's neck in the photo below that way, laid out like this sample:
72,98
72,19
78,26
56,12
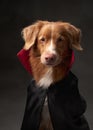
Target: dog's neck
46,75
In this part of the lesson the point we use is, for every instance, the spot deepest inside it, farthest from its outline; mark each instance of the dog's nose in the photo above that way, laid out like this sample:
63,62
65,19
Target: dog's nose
50,58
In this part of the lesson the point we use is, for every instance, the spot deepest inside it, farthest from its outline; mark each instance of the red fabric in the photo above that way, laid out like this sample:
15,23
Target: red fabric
23,56
72,60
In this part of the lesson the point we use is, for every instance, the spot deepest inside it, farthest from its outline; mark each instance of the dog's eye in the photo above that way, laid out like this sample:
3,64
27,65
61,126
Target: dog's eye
60,39
42,39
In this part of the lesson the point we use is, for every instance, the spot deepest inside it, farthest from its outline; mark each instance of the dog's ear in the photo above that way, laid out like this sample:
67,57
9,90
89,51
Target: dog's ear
30,33
75,37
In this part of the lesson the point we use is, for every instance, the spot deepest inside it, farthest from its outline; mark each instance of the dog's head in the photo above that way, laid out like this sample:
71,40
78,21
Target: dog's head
51,40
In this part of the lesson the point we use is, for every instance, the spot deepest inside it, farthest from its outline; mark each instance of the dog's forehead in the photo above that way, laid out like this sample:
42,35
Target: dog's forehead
52,28
46,29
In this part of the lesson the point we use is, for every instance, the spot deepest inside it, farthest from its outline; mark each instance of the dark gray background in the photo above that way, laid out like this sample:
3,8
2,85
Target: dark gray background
15,15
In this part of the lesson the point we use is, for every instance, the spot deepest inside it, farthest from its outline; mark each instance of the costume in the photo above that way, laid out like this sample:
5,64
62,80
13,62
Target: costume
66,105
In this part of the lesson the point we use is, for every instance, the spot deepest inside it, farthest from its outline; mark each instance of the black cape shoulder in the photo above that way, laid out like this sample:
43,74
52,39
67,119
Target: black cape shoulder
66,105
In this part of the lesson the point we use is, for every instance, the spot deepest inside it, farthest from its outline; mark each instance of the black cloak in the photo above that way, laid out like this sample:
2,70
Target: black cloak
66,105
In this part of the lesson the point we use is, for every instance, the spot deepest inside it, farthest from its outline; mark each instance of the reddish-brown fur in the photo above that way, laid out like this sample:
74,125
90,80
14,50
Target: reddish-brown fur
32,34
39,69
63,37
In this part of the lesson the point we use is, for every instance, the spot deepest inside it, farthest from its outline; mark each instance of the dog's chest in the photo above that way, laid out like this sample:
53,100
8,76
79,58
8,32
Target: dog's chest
46,79
46,123
45,112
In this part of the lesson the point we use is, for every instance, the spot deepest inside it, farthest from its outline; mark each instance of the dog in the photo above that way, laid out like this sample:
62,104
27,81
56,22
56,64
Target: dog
50,45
